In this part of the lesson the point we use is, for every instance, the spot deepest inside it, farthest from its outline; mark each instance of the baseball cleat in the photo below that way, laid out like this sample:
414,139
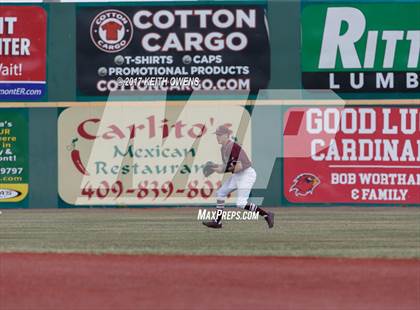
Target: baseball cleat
212,224
270,219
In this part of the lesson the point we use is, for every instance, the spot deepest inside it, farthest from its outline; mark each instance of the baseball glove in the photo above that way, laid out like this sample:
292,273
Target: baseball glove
209,168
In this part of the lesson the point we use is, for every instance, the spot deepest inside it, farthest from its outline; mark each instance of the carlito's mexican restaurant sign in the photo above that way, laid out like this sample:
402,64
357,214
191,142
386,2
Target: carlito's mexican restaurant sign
352,155
142,155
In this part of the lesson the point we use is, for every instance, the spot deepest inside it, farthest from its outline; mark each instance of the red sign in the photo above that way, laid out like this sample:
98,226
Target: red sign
352,155
23,32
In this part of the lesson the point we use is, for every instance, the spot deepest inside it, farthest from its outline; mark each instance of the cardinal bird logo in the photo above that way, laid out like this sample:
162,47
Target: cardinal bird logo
304,184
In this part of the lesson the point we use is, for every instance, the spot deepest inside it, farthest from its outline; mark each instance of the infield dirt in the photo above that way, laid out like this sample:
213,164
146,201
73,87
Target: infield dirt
74,281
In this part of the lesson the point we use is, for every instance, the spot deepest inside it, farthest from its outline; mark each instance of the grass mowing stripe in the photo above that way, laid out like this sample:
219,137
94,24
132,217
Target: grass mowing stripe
341,232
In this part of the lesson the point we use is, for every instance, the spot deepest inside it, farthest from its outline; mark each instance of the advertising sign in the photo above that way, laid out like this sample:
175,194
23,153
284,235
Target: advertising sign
352,155
142,155
361,47
13,156
175,49
23,38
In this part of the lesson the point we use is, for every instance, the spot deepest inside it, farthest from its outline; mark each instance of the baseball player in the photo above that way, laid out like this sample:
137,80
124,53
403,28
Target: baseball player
242,179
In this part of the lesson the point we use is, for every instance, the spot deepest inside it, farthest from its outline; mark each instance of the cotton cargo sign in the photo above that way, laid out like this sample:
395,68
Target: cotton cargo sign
345,155
13,156
23,32
361,47
171,49
142,155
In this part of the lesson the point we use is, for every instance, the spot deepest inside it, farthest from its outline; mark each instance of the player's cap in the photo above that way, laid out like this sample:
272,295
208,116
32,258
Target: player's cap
223,130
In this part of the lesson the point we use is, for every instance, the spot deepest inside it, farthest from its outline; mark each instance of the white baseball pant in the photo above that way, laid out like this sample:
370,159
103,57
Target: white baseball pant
242,182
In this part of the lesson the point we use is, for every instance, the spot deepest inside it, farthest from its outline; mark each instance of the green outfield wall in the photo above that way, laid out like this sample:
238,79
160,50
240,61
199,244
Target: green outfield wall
254,64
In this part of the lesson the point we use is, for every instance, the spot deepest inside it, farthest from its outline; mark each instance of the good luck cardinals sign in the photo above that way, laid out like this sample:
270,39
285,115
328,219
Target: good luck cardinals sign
352,155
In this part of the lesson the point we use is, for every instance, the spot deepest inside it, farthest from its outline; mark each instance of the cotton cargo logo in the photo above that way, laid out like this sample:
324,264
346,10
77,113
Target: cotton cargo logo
218,47
111,31
355,155
366,47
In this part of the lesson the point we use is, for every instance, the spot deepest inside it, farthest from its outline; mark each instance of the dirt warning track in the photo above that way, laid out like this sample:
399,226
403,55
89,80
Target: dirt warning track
81,281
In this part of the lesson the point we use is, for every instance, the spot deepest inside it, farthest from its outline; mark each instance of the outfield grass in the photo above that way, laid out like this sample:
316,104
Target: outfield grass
340,232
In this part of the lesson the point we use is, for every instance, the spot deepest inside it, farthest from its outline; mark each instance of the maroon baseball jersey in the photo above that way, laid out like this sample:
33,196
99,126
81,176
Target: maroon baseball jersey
232,153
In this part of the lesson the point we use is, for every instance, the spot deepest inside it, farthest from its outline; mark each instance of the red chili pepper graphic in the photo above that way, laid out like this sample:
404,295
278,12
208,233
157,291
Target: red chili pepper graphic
75,157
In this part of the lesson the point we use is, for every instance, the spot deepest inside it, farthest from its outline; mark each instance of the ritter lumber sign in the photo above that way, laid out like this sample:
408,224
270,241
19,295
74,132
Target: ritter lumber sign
361,47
